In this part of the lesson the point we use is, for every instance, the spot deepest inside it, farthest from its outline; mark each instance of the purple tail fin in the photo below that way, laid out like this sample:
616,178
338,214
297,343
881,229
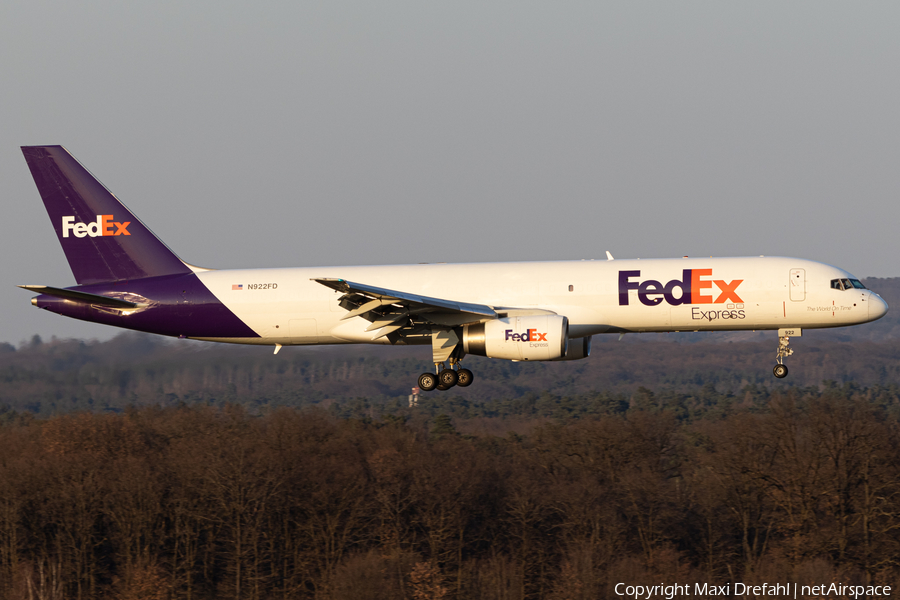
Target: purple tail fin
102,239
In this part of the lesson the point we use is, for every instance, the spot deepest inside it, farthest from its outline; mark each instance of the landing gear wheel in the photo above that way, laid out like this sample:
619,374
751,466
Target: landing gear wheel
464,377
448,377
427,382
780,371
443,388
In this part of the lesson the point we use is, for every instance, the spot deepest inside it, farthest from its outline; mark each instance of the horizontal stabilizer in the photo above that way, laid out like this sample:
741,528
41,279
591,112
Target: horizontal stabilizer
76,296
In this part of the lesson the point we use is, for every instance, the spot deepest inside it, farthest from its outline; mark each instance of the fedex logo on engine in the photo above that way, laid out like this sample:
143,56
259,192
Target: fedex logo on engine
530,335
103,226
695,287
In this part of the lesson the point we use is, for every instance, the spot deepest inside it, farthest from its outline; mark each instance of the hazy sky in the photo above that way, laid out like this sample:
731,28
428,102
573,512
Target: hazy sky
329,133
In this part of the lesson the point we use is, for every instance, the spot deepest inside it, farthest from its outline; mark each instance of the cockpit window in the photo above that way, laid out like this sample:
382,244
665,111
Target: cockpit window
847,284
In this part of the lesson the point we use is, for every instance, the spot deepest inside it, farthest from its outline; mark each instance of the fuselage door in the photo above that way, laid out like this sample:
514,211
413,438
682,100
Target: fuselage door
797,285
303,331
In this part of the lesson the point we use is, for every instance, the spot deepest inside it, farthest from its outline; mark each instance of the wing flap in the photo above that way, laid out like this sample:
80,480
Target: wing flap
386,320
368,306
387,331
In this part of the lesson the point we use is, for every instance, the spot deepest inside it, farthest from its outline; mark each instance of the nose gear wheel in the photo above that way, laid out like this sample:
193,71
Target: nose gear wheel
784,350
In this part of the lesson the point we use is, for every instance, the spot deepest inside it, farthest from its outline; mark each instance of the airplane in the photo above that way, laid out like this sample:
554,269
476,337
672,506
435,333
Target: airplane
520,311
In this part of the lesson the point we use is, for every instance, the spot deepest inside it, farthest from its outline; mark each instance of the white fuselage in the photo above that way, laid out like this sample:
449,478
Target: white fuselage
285,306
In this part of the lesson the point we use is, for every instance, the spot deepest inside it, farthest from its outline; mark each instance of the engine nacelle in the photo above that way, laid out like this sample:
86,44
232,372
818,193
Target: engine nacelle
534,337
578,348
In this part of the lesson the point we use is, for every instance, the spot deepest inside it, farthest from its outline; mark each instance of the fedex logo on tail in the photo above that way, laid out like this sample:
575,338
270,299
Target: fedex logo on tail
530,335
103,226
695,287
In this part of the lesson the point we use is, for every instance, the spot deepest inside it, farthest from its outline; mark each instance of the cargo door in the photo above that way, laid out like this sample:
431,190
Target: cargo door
797,285
303,331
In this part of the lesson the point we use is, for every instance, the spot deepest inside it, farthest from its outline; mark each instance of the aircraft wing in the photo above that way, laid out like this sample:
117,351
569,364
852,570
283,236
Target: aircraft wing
393,310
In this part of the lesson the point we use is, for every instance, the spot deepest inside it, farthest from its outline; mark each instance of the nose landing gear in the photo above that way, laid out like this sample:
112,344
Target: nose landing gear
784,350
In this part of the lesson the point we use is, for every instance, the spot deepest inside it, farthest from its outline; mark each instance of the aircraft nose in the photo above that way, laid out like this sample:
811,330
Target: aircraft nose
877,306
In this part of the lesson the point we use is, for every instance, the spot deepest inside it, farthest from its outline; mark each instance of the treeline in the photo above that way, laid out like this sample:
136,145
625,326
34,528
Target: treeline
58,377
201,502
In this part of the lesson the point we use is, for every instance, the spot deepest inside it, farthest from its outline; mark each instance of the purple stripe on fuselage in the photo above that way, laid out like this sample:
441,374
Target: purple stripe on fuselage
179,305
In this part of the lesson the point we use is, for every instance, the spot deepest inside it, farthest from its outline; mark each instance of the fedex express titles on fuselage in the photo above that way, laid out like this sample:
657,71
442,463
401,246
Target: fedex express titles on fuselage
606,296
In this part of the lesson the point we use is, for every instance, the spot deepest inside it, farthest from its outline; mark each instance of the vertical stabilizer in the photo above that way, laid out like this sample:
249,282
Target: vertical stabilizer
102,239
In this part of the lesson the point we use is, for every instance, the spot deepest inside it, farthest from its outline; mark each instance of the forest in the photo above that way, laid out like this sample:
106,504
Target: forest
143,468
208,502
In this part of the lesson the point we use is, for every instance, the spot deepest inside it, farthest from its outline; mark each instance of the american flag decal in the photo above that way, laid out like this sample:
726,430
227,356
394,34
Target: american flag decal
237,286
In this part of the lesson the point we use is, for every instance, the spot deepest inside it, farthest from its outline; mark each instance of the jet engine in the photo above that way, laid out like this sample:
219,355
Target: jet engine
534,337
578,348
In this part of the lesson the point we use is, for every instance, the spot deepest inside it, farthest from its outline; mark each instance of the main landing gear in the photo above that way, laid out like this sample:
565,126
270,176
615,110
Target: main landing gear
443,379
445,347
784,350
